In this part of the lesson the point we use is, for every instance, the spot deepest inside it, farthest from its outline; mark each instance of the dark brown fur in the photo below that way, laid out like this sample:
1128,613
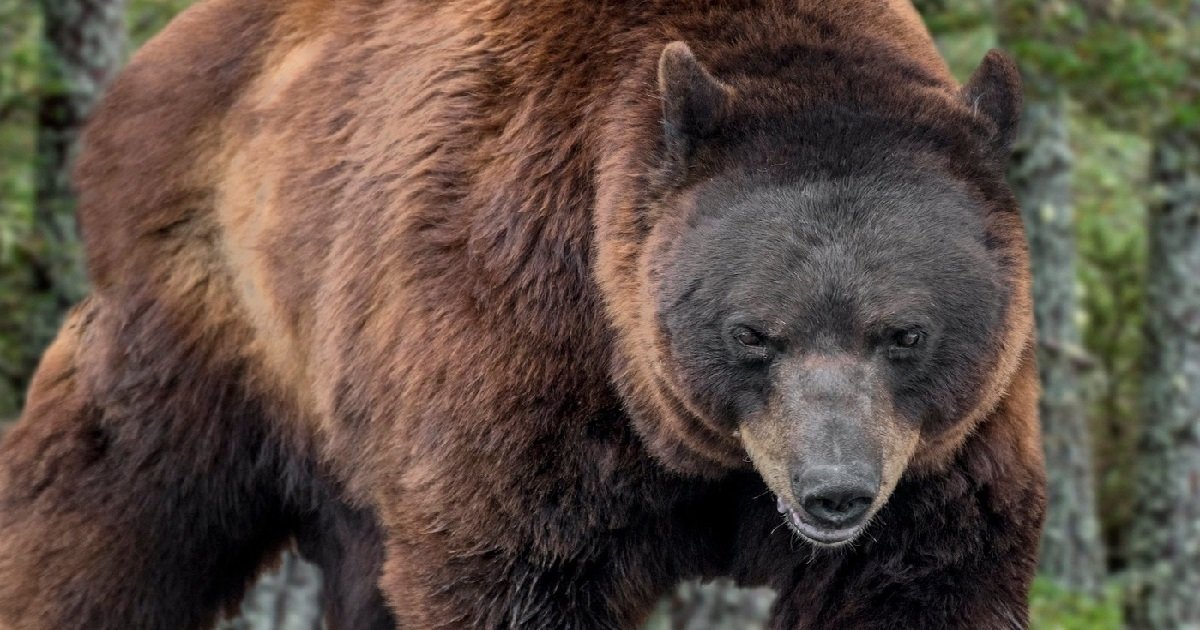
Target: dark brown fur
367,276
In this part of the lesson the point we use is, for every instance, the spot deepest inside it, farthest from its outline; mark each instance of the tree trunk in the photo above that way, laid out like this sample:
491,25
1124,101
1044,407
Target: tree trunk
83,46
1071,551
1164,544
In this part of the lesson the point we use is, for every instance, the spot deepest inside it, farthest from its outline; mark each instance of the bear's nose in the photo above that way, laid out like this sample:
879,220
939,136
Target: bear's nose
833,496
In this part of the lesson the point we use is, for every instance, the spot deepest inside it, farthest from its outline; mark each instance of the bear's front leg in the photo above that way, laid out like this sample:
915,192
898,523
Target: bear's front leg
437,581
948,551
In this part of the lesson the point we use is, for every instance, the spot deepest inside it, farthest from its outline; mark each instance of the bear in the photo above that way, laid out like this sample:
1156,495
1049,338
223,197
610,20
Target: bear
517,314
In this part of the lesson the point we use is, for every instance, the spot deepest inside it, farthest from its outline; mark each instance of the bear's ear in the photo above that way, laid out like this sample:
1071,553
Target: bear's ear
693,101
994,91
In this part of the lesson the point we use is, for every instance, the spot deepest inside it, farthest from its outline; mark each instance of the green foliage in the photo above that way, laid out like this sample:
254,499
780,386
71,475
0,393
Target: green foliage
1053,608
1133,62
956,16
1119,72
22,302
19,58
1110,194
964,50
148,17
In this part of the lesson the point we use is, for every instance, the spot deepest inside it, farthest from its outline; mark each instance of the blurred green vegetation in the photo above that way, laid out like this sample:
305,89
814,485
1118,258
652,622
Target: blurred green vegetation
1054,608
1110,184
19,26
20,298
1110,193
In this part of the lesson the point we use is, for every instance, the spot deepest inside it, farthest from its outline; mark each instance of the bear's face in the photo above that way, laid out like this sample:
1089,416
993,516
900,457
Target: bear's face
833,323
836,293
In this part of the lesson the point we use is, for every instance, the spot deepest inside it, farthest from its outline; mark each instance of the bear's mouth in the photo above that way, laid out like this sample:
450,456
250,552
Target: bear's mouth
816,534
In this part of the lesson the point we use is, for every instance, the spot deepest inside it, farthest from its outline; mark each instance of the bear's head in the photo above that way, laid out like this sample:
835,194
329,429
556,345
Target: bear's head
827,282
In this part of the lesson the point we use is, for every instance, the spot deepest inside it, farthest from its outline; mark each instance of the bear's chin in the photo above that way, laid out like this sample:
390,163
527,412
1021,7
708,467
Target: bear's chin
815,535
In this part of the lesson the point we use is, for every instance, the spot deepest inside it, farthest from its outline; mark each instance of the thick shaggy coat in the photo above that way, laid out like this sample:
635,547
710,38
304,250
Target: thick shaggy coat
439,292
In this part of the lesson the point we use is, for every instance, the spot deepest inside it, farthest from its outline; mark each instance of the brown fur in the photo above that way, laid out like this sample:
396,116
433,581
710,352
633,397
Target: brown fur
373,276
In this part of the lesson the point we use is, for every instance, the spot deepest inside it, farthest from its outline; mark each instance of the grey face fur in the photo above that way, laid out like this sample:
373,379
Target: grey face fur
844,322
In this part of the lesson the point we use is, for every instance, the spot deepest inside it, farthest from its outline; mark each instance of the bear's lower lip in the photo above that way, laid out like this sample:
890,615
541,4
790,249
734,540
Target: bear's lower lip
817,535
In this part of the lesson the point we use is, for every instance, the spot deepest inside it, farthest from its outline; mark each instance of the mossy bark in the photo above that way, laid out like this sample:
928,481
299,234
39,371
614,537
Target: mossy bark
1164,545
83,45
1072,552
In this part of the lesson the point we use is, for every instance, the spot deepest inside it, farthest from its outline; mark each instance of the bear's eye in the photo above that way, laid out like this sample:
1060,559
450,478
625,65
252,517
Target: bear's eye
748,337
908,339
748,345
904,341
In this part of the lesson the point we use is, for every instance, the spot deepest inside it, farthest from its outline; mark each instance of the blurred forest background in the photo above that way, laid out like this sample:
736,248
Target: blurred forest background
1108,172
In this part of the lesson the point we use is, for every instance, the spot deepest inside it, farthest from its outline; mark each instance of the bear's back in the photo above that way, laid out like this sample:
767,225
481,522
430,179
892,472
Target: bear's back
293,164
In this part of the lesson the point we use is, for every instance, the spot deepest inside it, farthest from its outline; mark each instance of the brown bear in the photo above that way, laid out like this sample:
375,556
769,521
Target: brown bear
514,313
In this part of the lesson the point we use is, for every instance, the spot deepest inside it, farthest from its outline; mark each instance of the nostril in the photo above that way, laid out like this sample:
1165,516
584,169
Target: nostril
858,504
837,506
834,497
